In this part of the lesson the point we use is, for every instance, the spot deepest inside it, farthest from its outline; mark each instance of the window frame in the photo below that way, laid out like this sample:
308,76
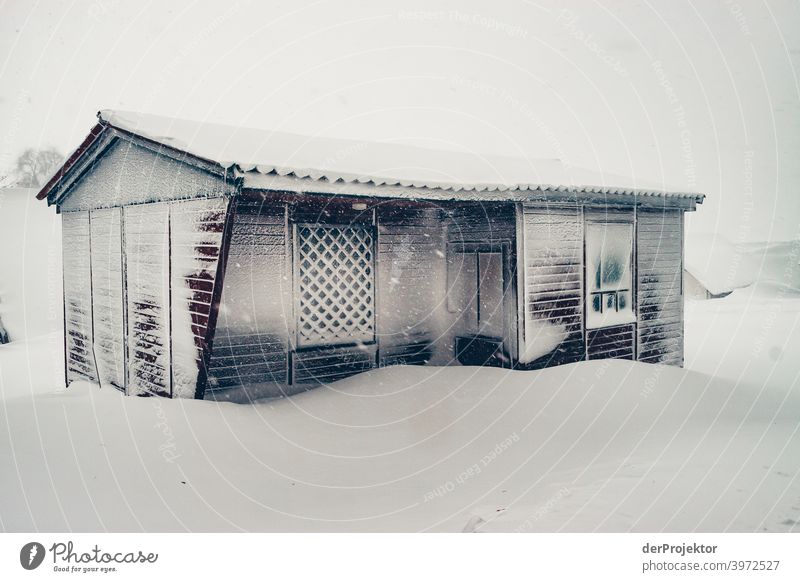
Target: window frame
601,320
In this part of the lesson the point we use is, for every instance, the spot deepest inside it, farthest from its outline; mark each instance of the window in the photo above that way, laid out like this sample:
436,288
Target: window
336,287
608,274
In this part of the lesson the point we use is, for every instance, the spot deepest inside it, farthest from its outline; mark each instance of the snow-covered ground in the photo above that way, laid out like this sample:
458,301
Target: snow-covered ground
595,446
601,446
30,295
753,335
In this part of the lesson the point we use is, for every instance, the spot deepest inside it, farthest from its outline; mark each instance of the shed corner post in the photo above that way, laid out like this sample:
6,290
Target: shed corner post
63,300
584,315
683,296
522,276
216,298
635,280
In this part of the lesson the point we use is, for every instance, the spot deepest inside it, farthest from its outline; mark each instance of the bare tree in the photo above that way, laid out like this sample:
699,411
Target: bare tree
34,167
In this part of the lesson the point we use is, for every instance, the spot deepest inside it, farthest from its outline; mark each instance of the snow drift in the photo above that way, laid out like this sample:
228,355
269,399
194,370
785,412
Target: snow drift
598,446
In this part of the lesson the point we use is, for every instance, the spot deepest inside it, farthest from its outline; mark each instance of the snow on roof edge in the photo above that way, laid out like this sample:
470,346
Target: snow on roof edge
292,182
228,146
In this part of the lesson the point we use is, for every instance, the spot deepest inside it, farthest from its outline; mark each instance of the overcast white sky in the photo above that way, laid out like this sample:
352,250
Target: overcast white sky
704,96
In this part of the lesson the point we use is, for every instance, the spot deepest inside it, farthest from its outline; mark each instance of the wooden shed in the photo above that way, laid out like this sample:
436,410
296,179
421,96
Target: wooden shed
207,261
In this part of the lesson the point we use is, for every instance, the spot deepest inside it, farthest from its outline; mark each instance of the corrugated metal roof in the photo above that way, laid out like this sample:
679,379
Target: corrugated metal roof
277,160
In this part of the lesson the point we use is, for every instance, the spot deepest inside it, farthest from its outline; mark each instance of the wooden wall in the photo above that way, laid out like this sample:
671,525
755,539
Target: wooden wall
660,296
553,285
146,228
141,282
618,342
143,275
127,174
477,223
108,299
254,341
196,237
410,284
251,344
80,364
552,255
138,287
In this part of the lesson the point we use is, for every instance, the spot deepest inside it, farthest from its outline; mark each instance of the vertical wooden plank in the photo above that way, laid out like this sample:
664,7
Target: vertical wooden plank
147,255
522,290
80,363
553,271
253,327
510,302
196,233
376,287
107,299
583,285
635,279
124,265
291,321
683,296
216,299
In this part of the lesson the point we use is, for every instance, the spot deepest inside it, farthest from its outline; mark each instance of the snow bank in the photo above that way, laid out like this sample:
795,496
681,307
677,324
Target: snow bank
609,446
778,271
752,335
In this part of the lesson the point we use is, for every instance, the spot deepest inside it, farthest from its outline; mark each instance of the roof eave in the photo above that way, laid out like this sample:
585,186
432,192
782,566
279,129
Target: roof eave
72,160
273,182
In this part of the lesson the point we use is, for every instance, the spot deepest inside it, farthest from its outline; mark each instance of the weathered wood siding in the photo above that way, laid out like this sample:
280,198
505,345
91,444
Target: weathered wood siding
251,342
552,253
481,223
659,294
107,296
254,342
196,231
410,284
76,235
146,235
127,174
325,365
156,236
611,342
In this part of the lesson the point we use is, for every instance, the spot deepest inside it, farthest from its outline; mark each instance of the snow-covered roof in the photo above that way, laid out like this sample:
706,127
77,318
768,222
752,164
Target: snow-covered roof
717,264
271,159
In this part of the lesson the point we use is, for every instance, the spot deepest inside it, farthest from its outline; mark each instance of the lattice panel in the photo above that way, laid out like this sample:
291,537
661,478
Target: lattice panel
336,285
